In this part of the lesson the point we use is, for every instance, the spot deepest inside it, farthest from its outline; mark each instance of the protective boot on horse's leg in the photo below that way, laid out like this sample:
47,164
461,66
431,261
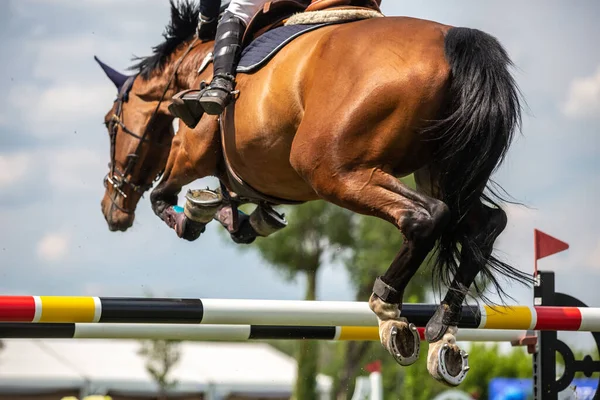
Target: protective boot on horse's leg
446,362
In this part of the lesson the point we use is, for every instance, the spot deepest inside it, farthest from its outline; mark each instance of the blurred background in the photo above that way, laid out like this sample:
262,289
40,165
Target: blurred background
54,151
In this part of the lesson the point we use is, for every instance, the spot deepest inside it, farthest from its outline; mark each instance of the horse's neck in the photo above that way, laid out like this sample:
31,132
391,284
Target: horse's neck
192,66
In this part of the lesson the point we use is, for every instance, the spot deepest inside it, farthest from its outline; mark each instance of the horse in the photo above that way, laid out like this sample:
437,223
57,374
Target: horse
338,114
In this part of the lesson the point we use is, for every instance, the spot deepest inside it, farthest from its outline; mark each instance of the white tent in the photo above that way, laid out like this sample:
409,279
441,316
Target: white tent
98,366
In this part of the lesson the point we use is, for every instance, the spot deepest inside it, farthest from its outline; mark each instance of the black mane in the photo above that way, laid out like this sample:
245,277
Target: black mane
183,24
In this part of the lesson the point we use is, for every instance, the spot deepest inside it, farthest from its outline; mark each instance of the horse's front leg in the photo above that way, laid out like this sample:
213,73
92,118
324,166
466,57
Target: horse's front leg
194,155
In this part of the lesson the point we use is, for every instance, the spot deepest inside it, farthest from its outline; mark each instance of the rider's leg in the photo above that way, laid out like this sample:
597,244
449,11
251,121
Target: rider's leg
190,105
228,44
208,19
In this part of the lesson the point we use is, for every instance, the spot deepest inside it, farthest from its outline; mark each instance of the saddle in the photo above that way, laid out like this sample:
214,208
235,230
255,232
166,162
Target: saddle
274,13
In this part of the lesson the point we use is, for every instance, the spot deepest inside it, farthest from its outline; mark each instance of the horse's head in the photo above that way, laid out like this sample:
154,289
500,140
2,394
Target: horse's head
140,132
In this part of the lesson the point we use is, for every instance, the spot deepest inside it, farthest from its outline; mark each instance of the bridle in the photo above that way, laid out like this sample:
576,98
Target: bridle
115,177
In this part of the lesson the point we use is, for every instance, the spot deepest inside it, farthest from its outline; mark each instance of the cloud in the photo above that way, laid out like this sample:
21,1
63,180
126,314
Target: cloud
13,167
594,258
53,247
583,97
55,171
61,109
558,217
75,168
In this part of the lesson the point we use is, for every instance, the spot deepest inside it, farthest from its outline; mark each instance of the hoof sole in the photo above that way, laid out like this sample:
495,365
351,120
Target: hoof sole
404,343
452,364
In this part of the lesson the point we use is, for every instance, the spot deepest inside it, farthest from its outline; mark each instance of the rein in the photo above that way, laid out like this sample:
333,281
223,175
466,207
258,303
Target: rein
116,177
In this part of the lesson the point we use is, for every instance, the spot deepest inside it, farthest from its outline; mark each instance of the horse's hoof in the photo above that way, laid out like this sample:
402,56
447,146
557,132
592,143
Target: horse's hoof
191,230
184,227
401,340
446,362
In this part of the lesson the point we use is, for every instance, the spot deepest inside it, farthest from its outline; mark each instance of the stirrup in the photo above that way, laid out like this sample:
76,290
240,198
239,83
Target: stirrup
185,106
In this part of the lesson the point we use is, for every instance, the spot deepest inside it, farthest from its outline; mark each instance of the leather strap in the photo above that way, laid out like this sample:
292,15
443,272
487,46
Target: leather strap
238,185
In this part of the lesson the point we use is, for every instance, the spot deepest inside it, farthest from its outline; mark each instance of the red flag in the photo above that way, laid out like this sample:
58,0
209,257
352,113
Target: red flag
375,366
546,245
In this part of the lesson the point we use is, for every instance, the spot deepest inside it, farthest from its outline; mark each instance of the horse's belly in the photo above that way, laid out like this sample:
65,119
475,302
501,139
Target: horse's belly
260,154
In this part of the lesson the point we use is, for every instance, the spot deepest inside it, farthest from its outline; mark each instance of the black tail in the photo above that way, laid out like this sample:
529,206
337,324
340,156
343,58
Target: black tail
482,113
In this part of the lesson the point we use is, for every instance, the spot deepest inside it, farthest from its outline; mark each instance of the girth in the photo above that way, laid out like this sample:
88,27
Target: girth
243,190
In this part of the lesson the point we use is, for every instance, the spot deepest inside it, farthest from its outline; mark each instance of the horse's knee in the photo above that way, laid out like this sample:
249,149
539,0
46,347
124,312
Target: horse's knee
160,199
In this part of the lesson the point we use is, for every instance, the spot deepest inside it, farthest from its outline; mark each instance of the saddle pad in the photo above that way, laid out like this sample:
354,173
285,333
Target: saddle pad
264,47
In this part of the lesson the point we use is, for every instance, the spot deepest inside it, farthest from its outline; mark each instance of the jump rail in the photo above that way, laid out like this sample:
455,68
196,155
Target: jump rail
70,309
225,332
226,319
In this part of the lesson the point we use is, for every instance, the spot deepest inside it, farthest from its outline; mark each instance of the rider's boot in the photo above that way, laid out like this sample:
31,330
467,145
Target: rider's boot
189,105
217,96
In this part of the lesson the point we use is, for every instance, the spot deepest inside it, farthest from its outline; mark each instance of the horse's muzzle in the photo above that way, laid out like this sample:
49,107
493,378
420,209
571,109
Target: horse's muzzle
116,219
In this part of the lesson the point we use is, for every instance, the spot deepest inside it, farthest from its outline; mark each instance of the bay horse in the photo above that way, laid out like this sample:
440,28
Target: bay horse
339,114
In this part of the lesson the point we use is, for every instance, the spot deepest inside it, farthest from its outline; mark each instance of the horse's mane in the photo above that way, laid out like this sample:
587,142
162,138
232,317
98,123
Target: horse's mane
183,24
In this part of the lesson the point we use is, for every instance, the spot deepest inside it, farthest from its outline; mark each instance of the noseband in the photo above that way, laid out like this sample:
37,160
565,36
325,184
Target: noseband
115,177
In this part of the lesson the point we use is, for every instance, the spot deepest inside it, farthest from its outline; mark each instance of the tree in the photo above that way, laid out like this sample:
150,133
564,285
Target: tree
375,243
318,233
161,356
488,362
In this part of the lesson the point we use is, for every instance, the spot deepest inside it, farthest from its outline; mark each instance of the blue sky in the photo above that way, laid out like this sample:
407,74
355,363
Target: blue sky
54,151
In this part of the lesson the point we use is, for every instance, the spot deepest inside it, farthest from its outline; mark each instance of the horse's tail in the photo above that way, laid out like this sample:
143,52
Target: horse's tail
481,115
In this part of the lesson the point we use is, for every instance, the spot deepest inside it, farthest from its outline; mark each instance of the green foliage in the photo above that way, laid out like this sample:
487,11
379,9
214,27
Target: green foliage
318,232
488,362
161,356
415,383
579,355
307,357
316,229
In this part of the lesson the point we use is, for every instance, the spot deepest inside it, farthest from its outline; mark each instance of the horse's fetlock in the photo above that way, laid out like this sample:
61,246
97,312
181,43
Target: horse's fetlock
384,311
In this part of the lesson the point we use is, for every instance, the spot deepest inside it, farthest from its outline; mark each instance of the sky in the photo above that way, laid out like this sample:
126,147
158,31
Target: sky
54,151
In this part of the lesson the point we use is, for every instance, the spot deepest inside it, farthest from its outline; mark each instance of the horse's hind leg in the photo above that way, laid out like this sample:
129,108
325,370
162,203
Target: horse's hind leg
419,218
445,361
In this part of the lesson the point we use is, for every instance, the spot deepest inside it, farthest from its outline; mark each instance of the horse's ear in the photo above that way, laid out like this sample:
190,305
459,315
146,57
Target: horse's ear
115,76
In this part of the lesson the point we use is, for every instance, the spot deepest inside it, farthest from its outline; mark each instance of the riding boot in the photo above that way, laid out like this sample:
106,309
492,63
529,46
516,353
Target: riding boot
217,96
189,105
